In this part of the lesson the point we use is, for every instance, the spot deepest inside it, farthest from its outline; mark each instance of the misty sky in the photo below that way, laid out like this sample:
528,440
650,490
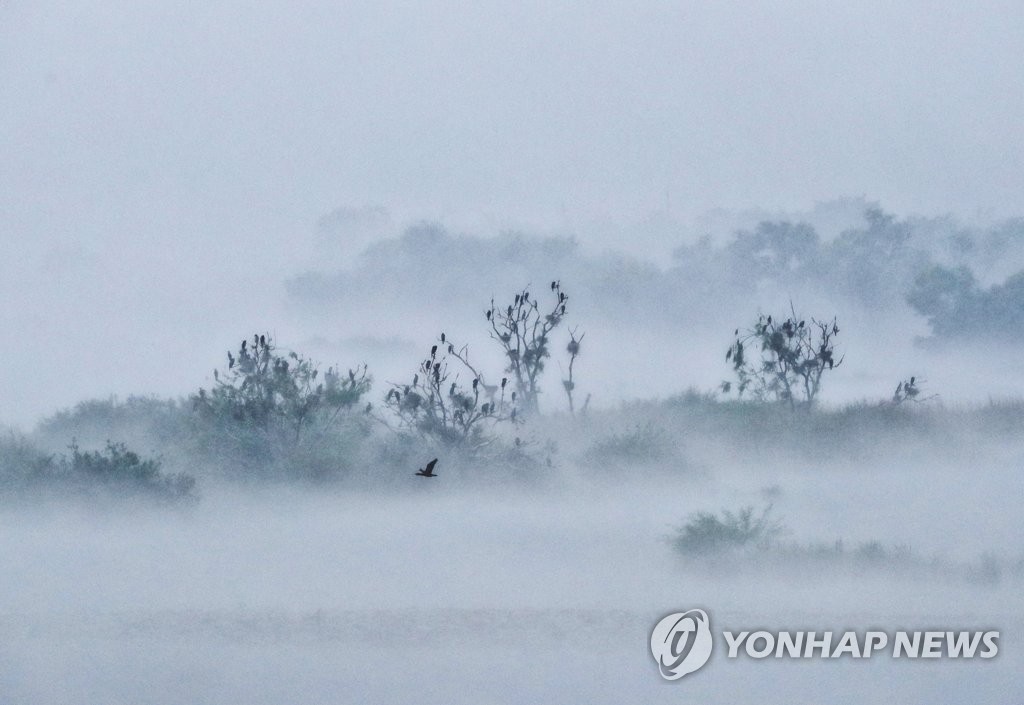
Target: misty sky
163,165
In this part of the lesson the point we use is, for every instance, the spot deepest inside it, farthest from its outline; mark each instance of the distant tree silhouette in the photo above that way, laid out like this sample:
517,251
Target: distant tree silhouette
265,396
524,330
784,360
447,399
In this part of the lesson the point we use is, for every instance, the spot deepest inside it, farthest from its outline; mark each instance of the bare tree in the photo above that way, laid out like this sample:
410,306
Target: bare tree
448,400
573,348
523,330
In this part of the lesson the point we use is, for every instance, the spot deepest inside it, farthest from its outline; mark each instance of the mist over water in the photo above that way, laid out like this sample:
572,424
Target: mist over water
355,179
443,595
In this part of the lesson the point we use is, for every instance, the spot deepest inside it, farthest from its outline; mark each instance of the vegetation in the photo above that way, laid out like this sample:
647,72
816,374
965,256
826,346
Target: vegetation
789,359
118,467
270,408
569,384
114,471
646,442
957,307
448,400
707,533
849,250
523,330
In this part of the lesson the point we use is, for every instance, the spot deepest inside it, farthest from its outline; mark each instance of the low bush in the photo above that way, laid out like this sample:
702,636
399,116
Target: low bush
706,533
645,443
273,412
113,471
119,469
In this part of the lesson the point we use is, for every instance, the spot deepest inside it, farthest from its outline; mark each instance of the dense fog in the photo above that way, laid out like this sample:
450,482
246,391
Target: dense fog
697,305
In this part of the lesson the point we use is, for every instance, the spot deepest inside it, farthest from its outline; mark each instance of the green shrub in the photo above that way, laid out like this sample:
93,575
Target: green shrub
118,468
162,423
21,463
645,443
113,471
275,411
706,533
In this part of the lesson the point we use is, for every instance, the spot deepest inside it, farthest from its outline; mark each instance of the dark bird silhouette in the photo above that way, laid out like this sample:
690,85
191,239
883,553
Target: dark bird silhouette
429,472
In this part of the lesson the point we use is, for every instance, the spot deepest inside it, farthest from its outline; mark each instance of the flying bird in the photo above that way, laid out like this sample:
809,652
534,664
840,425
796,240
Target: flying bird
429,472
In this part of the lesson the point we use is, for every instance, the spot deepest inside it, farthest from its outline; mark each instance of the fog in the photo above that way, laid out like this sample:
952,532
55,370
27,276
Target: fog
430,595
353,181
163,166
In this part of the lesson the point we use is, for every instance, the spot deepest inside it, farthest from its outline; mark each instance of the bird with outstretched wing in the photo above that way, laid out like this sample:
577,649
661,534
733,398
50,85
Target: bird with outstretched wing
429,472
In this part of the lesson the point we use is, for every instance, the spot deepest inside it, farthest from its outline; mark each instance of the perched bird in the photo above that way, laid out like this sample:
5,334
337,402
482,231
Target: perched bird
429,472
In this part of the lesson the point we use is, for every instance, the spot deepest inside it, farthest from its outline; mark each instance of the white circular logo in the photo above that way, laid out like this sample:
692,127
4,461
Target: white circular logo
681,643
